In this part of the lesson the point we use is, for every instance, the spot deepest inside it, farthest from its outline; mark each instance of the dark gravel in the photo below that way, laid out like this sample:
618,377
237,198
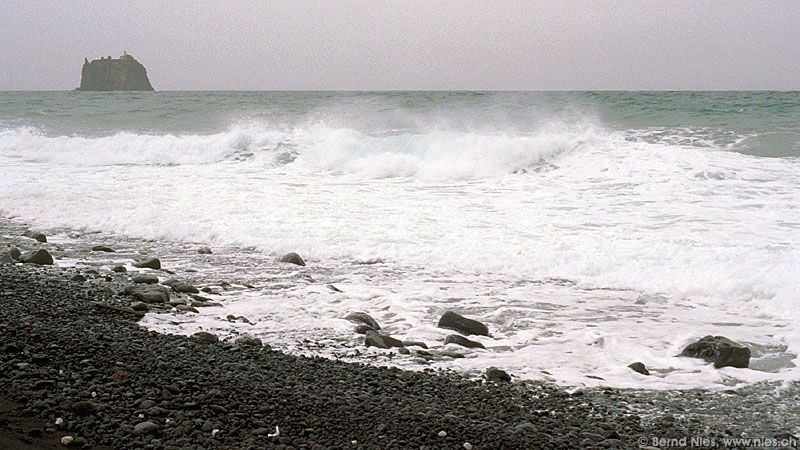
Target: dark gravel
117,385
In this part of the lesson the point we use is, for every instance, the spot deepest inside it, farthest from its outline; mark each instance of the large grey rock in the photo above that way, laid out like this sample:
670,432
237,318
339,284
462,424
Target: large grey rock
639,367
363,318
205,337
415,344
41,257
497,375
456,322
39,237
293,258
462,341
14,253
381,340
720,350
148,263
144,278
184,287
102,248
148,293
119,269
363,328
204,251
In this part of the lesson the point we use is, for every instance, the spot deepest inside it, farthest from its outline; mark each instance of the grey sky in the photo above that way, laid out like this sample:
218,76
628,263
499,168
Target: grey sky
373,44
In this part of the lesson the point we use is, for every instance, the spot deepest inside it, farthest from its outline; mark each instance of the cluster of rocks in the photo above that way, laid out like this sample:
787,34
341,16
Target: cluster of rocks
719,350
91,378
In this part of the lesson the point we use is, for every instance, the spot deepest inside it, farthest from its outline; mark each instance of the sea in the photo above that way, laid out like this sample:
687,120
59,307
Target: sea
588,230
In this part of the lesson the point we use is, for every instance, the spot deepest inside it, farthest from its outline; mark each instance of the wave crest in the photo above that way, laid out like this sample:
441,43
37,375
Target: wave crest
434,154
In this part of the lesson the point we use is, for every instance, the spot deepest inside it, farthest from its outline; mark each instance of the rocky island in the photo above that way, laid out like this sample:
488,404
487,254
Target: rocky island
106,74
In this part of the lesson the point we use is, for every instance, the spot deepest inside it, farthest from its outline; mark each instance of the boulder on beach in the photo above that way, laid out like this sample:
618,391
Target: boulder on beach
248,341
456,322
14,253
147,293
639,367
205,337
184,287
381,340
363,328
144,278
204,251
497,375
41,257
720,350
139,306
415,344
119,269
363,318
39,237
462,341
293,258
148,263
102,248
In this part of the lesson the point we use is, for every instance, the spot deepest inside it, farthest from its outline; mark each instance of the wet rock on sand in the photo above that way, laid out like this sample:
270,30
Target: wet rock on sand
497,375
41,257
205,337
381,340
148,293
184,287
456,322
363,328
102,248
39,237
720,350
462,341
639,367
145,278
119,269
14,253
148,263
363,318
293,258
204,251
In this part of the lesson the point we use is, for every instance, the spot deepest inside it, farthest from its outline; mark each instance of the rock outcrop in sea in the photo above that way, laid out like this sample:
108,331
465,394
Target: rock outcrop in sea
106,74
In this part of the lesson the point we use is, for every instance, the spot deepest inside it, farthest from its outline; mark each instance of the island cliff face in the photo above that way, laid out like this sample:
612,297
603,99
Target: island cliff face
106,74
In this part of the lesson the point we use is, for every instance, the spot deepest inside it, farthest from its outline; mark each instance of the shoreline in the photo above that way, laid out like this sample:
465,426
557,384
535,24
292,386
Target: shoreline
59,348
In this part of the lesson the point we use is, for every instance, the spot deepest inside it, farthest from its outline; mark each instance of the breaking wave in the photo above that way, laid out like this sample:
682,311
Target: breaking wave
435,154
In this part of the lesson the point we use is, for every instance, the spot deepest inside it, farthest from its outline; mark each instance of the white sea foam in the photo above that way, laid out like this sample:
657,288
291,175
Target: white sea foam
661,241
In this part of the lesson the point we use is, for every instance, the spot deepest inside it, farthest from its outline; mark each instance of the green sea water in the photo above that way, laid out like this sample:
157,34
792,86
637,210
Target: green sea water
755,123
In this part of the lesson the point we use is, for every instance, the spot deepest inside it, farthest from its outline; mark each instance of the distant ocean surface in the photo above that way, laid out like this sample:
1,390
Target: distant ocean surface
588,230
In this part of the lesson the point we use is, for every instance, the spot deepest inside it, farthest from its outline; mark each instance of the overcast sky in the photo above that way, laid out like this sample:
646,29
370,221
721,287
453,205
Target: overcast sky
374,44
